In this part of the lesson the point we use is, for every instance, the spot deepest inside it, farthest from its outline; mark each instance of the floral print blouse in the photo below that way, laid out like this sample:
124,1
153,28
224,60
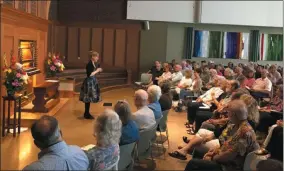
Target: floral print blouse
103,157
277,104
241,141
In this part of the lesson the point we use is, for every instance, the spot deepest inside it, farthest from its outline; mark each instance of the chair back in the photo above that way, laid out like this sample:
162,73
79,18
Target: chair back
127,153
158,120
163,121
114,166
144,143
252,160
146,78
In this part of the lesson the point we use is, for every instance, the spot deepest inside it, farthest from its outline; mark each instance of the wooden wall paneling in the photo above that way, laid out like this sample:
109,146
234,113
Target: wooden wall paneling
60,40
108,47
120,44
84,44
72,54
132,52
97,39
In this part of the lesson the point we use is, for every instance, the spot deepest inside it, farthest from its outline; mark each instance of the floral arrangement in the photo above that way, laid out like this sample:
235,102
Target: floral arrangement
15,77
53,65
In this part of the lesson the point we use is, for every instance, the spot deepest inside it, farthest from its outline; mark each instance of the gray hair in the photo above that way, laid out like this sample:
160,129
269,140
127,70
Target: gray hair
230,71
107,128
239,108
154,93
142,95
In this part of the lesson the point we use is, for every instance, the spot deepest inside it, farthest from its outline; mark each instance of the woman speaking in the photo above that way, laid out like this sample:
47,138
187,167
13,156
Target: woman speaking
90,91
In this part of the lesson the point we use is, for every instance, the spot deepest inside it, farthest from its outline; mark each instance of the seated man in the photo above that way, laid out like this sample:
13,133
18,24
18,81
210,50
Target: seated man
241,140
55,153
177,75
144,116
156,72
154,94
262,86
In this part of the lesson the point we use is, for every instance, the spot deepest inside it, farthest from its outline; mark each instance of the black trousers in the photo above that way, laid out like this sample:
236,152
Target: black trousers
192,108
275,145
202,165
265,121
201,116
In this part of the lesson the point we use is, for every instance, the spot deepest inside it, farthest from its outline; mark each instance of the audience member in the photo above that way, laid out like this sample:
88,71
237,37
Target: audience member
230,65
238,72
185,82
107,130
219,70
276,104
229,74
144,116
274,76
166,99
262,86
243,88
205,75
156,72
250,79
166,75
233,150
258,69
188,64
177,75
195,88
129,130
213,76
55,154
154,94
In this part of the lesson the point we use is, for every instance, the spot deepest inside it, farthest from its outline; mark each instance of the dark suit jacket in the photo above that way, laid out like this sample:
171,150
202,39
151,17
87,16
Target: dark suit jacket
90,68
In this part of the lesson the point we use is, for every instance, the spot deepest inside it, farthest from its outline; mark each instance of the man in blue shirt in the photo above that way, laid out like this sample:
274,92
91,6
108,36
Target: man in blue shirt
55,153
155,93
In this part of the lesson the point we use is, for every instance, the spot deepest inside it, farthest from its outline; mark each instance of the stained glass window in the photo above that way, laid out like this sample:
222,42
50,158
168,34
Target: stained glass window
22,5
271,47
235,45
34,7
217,44
207,44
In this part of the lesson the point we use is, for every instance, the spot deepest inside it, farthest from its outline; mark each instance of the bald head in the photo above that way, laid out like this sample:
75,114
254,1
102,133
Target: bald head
140,98
46,132
237,111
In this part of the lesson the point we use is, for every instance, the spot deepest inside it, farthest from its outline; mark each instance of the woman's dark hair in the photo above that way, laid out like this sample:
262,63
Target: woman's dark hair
165,87
122,108
198,70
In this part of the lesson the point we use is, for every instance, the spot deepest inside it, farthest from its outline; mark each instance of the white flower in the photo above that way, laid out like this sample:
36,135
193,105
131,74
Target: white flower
58,64
18,66
25,78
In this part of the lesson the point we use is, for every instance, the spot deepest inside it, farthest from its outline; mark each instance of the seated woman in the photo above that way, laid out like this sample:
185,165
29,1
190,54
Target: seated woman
129,130
266,118
195,88
241,140
166,99
185,82
250,79
165,76
107,130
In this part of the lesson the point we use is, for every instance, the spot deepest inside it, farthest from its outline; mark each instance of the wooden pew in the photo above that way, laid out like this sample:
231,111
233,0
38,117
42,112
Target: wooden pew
46,96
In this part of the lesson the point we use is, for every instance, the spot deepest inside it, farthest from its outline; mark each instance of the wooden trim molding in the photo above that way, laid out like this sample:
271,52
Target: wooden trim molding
19,18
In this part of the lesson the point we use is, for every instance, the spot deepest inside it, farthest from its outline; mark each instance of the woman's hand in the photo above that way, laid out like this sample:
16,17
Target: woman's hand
99,70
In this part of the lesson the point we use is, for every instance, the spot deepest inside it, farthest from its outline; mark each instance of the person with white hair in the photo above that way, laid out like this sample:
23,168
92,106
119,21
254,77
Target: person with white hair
237,140
213,75
229,74
262,86
177,75
154,94
55,154
144,116
107,130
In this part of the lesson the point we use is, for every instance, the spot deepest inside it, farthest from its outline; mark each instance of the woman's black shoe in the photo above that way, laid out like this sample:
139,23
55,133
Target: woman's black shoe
88,116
